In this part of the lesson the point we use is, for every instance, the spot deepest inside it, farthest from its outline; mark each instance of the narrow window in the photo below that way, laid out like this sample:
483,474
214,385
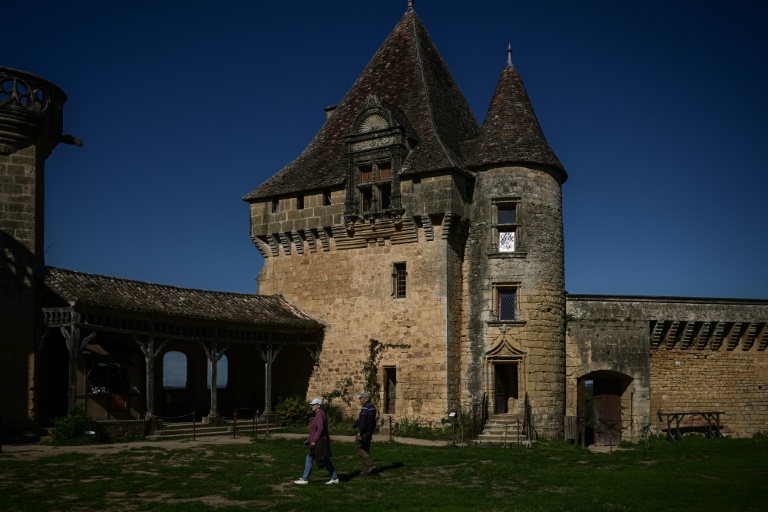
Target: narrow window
506,226
507,303
399,280
386,193
326,198
390,390
222,374
366,198
300,202
416,184
175,370
275,205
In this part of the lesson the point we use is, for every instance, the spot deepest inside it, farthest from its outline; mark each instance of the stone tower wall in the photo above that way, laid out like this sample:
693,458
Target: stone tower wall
21,256
536,268
30,127
345,280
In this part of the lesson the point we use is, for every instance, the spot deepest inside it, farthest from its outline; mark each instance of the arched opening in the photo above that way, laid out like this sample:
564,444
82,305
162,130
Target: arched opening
175,370
603,400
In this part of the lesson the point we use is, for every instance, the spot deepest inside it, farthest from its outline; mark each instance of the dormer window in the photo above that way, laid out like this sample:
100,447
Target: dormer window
376,146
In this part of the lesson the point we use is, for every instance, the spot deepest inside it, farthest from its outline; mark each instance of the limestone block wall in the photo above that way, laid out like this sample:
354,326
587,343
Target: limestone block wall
704,354
618,346
733,381
21,255
536,268
351,292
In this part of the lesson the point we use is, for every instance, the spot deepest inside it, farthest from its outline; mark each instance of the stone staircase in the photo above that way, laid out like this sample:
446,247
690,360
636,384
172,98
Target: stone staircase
172,431
503,430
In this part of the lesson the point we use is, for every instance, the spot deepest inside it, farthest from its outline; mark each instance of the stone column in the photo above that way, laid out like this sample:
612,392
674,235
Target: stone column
268,355
75,345
214,356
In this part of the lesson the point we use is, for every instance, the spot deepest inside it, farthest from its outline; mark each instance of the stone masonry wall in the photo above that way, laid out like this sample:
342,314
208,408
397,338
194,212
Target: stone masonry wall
704,354
21,217
537,269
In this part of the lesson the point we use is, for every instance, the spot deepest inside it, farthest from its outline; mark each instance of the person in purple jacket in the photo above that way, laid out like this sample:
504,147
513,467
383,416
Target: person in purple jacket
319,443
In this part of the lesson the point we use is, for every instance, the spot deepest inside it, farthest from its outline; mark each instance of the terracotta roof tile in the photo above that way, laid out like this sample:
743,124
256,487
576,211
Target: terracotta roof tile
407,72
114,293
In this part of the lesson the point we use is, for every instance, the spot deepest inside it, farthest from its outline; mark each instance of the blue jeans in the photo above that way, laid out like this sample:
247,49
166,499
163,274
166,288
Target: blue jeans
311,461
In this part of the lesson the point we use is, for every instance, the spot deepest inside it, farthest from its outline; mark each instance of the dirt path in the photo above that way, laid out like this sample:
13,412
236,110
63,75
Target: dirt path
37,450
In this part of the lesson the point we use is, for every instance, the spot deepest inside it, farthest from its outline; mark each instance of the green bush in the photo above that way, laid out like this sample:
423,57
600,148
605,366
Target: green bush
293,412
76,428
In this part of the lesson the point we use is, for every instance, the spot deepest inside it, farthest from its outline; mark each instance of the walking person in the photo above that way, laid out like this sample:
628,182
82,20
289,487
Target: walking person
319,442
366,425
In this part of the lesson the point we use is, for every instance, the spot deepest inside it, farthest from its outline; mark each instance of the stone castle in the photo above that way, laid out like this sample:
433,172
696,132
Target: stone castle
404,221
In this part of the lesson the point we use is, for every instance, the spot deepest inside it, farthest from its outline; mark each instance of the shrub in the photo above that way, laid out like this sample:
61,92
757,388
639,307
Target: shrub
293,412
76,428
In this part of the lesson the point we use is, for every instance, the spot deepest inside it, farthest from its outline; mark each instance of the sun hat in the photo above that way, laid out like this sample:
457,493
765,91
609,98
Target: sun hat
316,401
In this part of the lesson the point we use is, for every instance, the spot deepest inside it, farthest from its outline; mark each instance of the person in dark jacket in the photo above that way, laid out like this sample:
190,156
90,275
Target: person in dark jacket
366,425
319,442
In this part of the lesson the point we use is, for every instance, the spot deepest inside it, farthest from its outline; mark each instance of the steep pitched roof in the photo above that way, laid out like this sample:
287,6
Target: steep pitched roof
511,132
409,73
118,294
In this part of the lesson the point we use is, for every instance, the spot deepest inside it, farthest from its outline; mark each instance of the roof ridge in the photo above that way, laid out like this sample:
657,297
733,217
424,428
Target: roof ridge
48,268
420,57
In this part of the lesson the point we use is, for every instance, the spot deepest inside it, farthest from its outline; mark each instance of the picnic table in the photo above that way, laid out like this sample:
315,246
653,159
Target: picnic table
712,418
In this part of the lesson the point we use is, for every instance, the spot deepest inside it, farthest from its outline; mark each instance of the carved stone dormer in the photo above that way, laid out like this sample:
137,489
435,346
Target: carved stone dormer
376,146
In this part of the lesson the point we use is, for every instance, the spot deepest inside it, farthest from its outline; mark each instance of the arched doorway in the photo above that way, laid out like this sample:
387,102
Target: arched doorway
601,406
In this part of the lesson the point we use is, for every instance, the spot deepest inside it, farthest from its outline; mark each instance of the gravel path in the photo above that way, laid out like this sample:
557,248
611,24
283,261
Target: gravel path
37,450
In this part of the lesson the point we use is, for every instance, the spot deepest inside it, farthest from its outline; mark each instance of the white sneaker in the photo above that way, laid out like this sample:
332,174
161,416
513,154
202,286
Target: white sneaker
332,481
301,481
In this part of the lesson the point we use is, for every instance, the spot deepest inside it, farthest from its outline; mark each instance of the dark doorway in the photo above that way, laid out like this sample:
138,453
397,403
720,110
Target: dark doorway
599,407
505,386
390,390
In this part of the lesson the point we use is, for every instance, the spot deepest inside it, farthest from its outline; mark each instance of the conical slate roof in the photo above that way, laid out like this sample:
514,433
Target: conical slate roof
511,132
408,73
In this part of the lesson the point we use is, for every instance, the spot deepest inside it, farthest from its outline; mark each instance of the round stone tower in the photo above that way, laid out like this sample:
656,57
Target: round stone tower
515,267
31,111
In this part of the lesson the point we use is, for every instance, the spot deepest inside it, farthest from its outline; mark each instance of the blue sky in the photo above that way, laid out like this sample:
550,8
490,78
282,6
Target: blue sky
656,109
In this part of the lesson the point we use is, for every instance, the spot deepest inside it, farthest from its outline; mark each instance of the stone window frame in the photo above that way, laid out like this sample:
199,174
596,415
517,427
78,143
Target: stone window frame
519,313
399,280
499,227
276,205
375,176
300,202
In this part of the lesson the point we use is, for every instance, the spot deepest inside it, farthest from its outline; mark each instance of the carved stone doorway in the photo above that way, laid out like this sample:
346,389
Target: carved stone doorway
506,388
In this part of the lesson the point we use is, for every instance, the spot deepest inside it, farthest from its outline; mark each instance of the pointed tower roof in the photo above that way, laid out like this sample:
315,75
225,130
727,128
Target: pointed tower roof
407,72
511,132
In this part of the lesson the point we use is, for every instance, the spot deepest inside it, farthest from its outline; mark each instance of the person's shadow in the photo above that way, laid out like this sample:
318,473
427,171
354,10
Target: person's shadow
376,472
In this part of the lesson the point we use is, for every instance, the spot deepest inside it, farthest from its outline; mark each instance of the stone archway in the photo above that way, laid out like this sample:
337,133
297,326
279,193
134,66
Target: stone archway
602,396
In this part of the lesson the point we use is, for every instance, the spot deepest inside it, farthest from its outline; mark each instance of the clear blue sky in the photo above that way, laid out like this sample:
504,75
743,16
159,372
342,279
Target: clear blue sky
657,110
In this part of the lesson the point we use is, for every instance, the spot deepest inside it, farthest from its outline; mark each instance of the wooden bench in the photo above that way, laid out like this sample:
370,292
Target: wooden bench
711,417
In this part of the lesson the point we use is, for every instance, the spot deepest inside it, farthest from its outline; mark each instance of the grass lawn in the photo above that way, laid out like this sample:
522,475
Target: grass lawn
694,474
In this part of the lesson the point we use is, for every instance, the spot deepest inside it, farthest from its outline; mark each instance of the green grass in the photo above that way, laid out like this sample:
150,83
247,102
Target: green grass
695,474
